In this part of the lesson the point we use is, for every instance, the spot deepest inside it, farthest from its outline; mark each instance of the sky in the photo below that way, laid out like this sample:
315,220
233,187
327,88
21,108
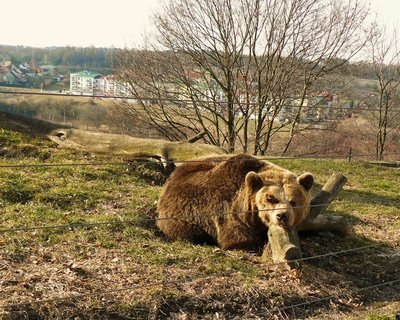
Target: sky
388,11
99,23
45,23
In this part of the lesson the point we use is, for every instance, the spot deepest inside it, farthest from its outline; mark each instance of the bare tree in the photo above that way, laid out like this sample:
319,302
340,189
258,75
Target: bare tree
386,61
230,68
337,35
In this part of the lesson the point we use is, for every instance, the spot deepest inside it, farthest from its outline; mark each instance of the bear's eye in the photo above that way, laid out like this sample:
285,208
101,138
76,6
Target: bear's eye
293,203
272,199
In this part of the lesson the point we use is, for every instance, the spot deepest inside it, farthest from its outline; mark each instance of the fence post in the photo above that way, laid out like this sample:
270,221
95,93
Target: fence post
350,154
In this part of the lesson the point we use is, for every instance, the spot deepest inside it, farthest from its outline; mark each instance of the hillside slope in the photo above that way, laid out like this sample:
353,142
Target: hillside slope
80,242
25,125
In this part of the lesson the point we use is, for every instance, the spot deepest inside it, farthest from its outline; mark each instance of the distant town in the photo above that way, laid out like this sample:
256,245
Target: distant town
80,83
18,76
90,83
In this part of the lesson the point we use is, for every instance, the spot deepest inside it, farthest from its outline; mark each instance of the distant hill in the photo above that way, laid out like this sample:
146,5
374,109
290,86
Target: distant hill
74,57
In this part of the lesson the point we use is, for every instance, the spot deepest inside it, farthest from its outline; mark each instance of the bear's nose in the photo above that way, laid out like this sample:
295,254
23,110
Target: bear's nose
282,217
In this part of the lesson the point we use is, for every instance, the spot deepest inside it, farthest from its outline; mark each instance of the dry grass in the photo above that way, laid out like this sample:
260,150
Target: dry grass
159,279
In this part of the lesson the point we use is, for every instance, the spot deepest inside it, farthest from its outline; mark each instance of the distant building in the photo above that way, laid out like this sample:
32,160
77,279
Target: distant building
83,82
48,69
111,86
91,83
37,70
11,75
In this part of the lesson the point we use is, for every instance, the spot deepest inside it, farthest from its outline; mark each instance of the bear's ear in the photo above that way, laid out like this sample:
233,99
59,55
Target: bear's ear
306,180
253,181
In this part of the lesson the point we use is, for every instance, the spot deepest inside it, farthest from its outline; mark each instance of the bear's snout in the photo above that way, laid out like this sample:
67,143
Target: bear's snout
282,217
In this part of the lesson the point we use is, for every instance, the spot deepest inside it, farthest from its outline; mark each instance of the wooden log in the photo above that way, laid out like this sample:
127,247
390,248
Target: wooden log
390,164
129,147
284,246
197,137
328,192
335,224
120,145
284,243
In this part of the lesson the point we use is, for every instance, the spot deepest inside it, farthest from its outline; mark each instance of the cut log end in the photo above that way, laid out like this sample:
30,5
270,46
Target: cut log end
284,247
291,256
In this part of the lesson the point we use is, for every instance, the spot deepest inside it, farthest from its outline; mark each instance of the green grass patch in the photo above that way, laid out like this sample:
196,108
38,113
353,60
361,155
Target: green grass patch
130,251
376,316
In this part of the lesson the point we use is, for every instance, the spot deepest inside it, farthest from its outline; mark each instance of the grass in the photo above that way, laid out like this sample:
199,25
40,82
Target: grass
177,280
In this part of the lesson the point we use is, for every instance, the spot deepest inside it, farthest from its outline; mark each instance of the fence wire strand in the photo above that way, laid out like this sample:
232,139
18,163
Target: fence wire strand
106,292
187,101
141,219
181,281
214,160
303,304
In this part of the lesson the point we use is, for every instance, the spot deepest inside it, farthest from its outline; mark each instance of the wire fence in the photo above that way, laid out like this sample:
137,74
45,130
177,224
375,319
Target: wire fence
191,101
215,160
186,280
182,281
73,226
345,153
307,303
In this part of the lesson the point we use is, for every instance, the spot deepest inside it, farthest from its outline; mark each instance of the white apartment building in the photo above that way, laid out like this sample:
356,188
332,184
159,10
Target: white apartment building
91,83
111,86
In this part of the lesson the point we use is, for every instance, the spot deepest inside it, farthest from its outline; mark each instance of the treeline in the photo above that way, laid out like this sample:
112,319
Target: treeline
88,58
93,58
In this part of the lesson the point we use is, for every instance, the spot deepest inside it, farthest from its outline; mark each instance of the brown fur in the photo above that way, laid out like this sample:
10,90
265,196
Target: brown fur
231,203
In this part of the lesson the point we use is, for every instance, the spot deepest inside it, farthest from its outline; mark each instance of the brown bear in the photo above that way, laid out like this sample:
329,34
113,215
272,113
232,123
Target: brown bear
231,200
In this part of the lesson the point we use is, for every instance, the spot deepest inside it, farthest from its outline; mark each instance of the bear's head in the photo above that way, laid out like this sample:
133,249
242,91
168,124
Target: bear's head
279,198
